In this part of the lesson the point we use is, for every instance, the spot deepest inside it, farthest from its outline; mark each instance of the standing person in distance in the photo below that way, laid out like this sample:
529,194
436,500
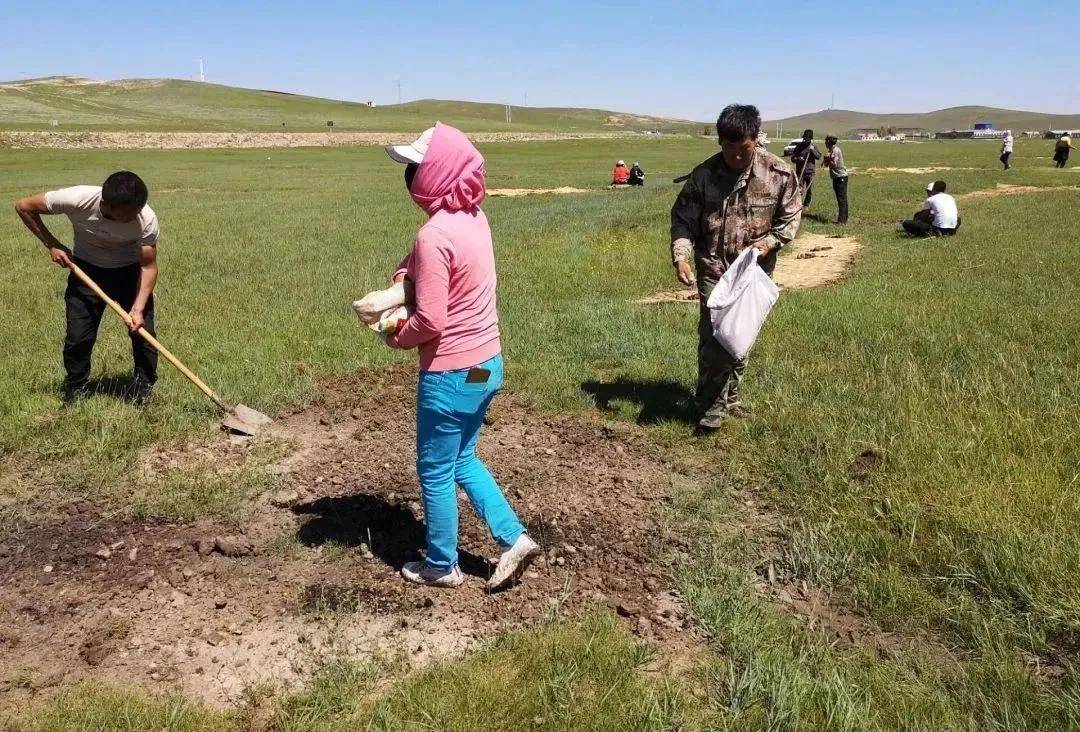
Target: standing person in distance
455,327
1006,149
804,157
744,196
834,161
1062,148
115,242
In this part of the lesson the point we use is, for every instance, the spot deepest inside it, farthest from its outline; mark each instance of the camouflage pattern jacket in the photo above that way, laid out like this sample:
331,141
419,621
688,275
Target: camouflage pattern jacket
719,212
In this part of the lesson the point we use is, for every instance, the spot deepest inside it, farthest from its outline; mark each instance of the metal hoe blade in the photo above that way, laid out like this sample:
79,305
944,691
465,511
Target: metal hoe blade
244,420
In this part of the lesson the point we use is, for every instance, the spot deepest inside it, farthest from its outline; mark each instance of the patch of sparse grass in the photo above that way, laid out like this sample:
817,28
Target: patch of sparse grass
108,709
579,675
289,545
335,697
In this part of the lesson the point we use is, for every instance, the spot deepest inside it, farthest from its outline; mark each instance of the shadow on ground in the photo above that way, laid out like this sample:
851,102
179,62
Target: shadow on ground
123,388
660,401
390,530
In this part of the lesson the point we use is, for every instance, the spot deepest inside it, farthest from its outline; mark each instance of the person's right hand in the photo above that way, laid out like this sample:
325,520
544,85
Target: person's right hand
61,255
684,272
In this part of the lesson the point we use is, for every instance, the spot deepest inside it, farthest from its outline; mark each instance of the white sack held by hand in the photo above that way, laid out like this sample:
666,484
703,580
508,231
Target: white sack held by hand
740,302
391,321
373,305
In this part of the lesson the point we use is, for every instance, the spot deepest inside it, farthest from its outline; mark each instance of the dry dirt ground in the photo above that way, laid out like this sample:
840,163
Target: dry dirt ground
1004,189
208,140
516,192
918,171
812,260
216,606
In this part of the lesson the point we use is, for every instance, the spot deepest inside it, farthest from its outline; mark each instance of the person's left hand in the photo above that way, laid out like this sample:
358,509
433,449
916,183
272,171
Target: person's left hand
764,247
135,320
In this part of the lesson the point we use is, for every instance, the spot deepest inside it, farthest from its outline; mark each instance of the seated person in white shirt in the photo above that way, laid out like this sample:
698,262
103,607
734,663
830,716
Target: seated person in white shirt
939,217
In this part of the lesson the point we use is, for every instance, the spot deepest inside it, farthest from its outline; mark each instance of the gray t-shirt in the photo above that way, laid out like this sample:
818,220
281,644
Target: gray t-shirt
97,240
837,170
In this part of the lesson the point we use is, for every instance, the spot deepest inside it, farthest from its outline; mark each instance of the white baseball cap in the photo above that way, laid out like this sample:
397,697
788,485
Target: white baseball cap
414,152
930,186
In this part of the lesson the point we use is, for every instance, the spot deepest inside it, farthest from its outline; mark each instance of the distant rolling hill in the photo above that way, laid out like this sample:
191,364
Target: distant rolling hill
79,104
842,122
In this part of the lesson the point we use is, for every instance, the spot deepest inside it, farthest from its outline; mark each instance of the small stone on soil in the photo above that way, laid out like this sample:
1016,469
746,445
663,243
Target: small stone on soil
233,546
284,499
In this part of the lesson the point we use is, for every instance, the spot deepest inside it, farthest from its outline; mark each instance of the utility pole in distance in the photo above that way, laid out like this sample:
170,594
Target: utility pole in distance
202,73
399,91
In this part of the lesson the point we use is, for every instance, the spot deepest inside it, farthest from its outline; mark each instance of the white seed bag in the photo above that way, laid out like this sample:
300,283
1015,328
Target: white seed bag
373,305
740,302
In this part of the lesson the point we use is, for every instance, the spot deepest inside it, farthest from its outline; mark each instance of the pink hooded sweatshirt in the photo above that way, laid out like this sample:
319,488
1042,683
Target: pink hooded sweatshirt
452,263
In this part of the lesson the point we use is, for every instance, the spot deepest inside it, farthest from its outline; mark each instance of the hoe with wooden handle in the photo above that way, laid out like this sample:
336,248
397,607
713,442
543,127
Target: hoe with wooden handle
239,419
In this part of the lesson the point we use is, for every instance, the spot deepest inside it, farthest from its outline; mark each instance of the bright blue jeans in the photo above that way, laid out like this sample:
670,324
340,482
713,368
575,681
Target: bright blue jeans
449,415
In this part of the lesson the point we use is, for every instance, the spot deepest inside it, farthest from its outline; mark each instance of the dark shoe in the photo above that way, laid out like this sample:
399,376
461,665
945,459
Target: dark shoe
710,423
141,393
73,393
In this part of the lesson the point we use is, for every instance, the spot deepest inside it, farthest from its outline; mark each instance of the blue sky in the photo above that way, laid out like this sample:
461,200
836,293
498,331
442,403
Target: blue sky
679,59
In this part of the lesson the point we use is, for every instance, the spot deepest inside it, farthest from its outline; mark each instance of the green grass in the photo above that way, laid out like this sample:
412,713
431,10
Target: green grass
160,105
957,360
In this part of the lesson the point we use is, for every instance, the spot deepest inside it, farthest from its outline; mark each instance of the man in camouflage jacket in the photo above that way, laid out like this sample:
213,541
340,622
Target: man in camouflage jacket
742,197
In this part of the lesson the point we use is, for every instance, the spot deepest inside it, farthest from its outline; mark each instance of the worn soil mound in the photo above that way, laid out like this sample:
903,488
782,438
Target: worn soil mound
1005,189
918,171
812,260
815,260
515,192
213,607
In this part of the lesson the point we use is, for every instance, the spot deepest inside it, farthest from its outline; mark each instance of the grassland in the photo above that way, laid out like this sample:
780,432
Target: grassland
954,361
171,105
843,121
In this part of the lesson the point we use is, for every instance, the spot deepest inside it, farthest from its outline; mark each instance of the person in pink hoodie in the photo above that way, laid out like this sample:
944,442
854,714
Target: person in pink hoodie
455,327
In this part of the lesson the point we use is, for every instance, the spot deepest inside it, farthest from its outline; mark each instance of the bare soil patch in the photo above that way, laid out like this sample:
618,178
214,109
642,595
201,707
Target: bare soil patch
213,140
815,260
516,192
917,171
685,295
215,606
1005,189
812,260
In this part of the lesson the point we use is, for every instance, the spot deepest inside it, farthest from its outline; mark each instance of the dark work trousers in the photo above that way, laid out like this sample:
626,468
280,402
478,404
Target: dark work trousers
719,373
84,311
839,186
1005,159
918,227
807,184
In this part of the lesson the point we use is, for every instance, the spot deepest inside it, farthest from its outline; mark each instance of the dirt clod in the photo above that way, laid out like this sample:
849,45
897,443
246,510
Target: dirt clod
865,464
233,546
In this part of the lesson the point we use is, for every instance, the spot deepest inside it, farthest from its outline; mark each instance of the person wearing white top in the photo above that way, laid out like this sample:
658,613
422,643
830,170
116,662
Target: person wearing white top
114,235
939,217
1006,149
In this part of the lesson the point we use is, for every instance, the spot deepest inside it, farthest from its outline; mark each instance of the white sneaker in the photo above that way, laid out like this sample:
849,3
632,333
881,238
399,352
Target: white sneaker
513,562
421,573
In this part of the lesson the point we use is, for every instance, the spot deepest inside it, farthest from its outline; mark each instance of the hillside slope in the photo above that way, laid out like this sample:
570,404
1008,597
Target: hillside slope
842,121
177,105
